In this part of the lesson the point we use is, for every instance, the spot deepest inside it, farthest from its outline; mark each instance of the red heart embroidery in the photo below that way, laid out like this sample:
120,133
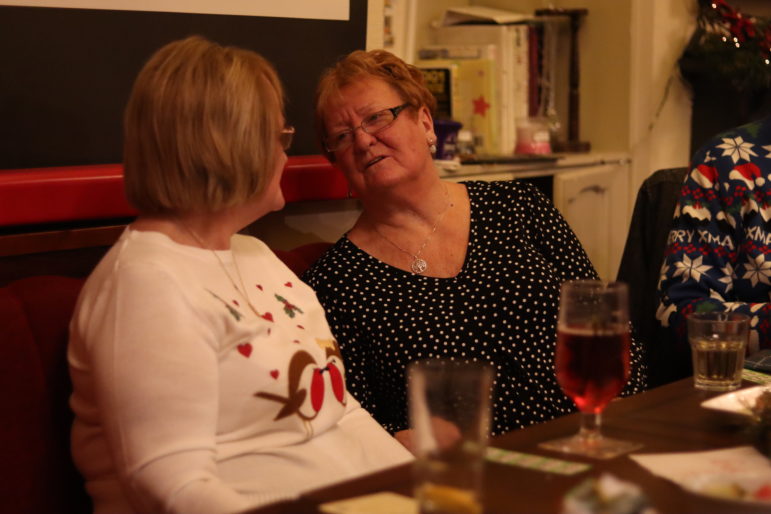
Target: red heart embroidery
245,349
268,316
274,373
288,284
259,287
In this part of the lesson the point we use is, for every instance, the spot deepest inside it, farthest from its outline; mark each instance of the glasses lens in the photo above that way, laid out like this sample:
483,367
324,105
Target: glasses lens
378,121
373,124
286,137
338,141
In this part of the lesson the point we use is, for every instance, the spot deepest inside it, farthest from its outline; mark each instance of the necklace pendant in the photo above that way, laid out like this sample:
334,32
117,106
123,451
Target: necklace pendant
418,266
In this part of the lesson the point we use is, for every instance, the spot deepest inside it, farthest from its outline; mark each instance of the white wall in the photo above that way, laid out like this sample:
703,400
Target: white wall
660,117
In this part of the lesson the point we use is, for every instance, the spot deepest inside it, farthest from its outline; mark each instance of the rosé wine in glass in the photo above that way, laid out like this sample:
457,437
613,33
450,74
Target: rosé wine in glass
592,368
592,361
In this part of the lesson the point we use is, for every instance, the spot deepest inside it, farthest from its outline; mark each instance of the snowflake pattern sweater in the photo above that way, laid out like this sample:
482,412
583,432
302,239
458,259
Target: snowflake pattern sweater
718,253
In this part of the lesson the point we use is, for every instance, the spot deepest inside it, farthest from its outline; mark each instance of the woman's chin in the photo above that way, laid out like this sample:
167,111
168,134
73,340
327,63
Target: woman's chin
377,177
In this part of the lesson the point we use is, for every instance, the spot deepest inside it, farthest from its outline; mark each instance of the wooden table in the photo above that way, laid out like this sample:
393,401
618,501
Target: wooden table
665,419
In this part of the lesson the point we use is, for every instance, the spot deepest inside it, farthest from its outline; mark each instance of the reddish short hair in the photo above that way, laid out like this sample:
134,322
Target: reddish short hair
405,79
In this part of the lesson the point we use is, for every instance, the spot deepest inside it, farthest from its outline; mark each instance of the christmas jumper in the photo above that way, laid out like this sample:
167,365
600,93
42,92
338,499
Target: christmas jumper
717,255
501,308
189,400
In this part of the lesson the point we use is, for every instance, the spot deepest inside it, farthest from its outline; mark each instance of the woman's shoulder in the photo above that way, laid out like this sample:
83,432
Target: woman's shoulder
337,257
746,144
241,243
508,192
499,187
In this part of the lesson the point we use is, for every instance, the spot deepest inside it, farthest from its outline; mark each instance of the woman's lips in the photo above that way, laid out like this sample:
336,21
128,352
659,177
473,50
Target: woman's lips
374,161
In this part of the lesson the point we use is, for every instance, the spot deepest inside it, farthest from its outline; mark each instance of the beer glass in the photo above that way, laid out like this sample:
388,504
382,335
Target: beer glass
592,361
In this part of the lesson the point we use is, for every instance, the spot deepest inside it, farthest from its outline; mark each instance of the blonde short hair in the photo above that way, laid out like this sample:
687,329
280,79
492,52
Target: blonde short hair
201,128
405,79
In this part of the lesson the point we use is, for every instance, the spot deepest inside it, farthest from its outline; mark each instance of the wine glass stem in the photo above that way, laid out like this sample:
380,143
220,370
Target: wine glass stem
590,426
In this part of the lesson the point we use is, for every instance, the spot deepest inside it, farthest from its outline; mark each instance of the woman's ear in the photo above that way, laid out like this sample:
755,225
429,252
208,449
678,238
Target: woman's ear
427,122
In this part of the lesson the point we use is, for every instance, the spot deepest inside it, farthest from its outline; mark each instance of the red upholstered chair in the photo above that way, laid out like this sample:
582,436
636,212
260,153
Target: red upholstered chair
38,473
300,259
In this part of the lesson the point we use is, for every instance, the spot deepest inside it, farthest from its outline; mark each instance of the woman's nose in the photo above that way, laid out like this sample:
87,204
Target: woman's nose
362,139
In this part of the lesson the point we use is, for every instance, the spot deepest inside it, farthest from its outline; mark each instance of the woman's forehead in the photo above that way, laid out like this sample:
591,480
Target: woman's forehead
362,97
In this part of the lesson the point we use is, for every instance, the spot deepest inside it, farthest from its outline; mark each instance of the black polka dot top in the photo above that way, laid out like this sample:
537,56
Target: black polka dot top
501,308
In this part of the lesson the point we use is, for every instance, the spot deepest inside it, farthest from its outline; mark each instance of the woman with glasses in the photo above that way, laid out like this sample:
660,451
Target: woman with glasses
436,269
205,375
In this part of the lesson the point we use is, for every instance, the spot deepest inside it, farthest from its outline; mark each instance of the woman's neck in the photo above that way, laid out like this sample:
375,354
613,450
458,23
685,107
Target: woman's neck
407,206
211,231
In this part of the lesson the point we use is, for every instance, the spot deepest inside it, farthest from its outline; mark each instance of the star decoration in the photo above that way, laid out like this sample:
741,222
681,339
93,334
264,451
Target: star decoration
664,312
728,276
690,268
480,105
758,270
737,148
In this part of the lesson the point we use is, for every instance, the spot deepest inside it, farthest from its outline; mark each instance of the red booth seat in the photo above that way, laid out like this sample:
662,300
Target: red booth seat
72,193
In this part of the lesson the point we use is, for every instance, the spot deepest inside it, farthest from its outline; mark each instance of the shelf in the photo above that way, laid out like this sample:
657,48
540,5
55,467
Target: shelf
564,163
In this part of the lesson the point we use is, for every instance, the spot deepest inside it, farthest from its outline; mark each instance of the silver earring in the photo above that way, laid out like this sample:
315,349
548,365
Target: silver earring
432,147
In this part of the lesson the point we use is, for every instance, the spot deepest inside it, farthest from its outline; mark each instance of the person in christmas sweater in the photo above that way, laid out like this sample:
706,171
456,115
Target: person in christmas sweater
719,249
205,376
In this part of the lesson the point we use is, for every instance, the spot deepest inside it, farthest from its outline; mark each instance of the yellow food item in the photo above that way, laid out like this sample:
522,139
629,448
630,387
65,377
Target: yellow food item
443,499
729,490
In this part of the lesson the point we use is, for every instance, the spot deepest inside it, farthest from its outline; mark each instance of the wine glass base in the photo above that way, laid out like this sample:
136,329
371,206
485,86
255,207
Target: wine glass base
595,447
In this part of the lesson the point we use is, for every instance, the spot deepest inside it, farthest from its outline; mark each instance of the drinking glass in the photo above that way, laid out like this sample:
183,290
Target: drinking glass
450,416
592,361
718,343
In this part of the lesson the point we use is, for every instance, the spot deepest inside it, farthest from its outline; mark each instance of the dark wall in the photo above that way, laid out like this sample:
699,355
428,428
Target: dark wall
718,107
65,74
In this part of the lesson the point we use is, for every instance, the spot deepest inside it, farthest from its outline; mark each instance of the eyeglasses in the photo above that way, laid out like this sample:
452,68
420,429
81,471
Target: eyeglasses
372,124
285,137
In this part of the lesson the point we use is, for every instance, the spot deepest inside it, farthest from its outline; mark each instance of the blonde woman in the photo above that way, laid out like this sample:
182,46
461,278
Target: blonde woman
205,375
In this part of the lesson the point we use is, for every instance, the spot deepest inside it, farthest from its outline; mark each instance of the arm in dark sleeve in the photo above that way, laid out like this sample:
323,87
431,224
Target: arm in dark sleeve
559,244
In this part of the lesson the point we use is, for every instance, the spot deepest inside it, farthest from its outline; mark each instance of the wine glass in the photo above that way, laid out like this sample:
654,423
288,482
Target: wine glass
592,361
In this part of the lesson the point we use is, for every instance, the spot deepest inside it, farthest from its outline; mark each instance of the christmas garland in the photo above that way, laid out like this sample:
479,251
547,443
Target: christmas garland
730,46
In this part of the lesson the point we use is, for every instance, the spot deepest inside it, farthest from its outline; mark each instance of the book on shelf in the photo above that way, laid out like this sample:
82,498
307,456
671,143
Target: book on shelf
521,71
481,14
514,49
535,63
501,37
465,91
442,81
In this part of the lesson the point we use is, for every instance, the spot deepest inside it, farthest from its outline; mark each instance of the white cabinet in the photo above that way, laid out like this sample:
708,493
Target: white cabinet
590,190
594,203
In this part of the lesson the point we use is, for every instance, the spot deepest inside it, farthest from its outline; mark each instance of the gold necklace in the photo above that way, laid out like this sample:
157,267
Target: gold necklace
419,265
242,292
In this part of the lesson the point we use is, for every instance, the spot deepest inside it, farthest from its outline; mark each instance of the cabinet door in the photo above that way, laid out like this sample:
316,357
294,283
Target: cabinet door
594,203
